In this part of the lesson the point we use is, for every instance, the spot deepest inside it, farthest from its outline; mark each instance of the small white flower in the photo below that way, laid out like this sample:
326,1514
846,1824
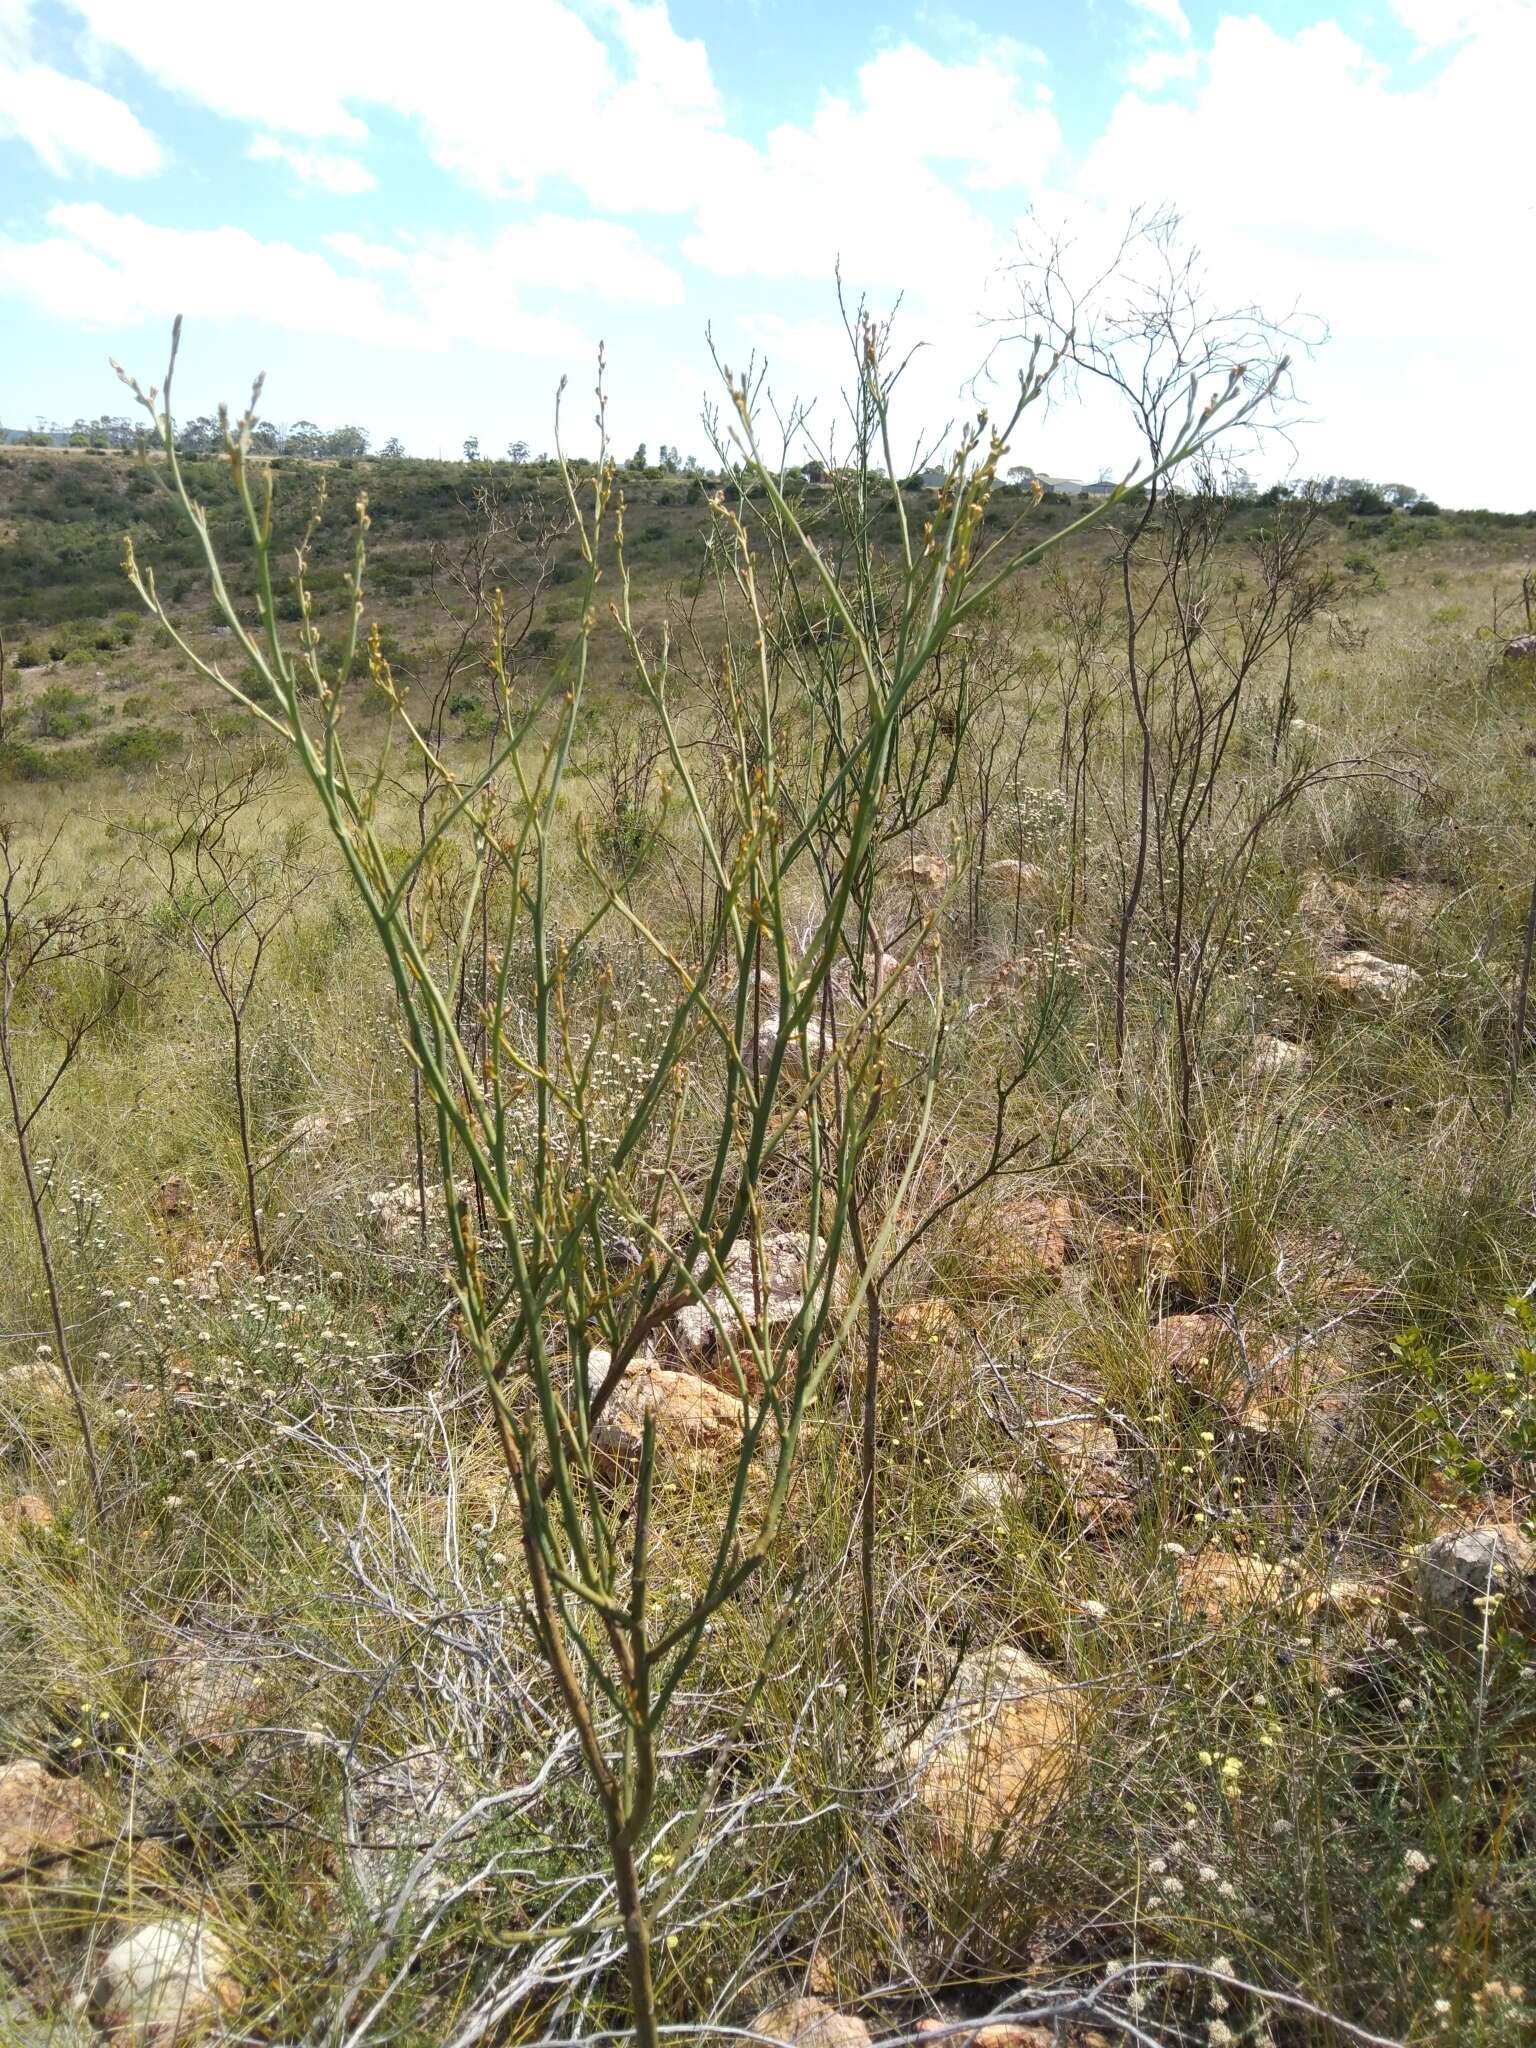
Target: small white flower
1416,1861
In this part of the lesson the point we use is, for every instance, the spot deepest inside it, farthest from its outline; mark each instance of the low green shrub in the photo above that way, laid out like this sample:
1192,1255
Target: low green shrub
135,748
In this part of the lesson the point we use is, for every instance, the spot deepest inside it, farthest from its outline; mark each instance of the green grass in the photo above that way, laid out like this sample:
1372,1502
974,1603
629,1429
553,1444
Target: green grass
301,1483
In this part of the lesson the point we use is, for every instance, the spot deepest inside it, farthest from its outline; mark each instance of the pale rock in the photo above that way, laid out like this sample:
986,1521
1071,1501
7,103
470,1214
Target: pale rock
1403,911
982,1494
818,1044
888,971
1220,1585
928,1323
22,2026
1020,878
394,1812
27,1511
1087,1457
1365,981
36,1382
43,1815
168,1982
1308,1389
1462,1571
698,1426
394,1213
1318,908
1024,1244
1134,1257
205,1284
810,2022
1278,1059
210,1697
925,874
307,1136
600,1364
1200,1351
999,1752
1521,648
988,2034
768,1283
1345,1599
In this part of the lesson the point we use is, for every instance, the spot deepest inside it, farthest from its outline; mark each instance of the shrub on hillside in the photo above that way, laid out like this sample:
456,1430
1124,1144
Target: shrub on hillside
135,748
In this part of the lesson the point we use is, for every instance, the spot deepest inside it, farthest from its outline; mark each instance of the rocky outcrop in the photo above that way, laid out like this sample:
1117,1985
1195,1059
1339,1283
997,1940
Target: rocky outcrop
998,1753
1022,1246
763,1293
1278,1059
1363,980
924,875
210,1696
1023,880
26,1511
818,1044
1217,1585
927,1324
988,2034
394,1811
699,1427
1086,1457
394,1213
1473,1581
164,1984
1199,1351
43,1820
810,2023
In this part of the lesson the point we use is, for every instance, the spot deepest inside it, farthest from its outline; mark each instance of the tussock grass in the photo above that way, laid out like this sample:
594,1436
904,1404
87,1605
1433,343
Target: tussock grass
303,1493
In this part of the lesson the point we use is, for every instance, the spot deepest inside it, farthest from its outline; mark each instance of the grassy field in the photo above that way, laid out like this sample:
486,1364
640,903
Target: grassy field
1196,1422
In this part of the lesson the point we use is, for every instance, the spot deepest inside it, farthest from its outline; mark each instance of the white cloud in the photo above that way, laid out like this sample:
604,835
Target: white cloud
72,125
1394,220
862,184
1164,67
606,96
342,176
596,258
1167,14
1437,22
365,255
1410,192
968,114
112,269
599,257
